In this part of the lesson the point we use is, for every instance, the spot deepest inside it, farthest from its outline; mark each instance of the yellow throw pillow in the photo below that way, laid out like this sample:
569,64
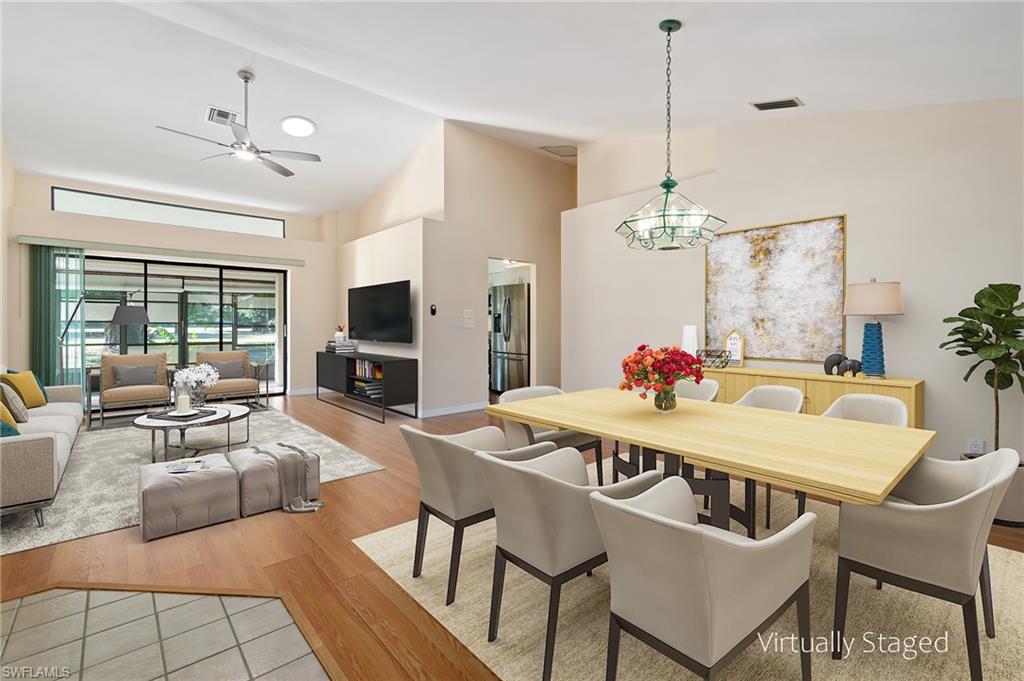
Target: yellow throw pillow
24,382
7,418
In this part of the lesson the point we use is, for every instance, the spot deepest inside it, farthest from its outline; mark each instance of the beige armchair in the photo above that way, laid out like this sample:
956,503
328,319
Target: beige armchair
545,524
930,536
695,593
114,395
451,488
521,435
246,384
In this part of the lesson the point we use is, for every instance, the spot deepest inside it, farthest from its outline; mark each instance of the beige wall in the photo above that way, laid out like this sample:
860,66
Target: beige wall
933,198
7,196
394,254
312,289
416,190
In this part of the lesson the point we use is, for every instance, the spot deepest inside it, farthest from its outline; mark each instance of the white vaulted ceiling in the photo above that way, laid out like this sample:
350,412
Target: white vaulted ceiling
84,84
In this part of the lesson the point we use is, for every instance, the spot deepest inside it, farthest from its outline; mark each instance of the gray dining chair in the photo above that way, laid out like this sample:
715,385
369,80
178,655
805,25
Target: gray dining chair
451,488
930,536
521,434
545,524
695,593
779,398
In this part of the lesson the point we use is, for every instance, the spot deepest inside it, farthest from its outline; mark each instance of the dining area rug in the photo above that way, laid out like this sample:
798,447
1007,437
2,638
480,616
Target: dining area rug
99,491
879,621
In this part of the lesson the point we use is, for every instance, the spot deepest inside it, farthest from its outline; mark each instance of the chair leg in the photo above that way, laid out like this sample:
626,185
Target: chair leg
611,669
986,597
842,597
801,503
421,540
600,466
878,584
750,506
973,643
803,616
615,455
768,505
39,516
453,567
707,499
549,641
497,587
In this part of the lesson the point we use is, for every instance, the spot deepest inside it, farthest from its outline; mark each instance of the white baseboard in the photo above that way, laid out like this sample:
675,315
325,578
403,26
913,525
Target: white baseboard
458,409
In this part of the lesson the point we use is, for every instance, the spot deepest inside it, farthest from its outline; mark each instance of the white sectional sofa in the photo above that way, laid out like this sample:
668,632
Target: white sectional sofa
32,464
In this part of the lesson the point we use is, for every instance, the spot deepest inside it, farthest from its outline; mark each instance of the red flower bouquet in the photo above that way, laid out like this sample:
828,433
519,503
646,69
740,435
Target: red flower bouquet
658,370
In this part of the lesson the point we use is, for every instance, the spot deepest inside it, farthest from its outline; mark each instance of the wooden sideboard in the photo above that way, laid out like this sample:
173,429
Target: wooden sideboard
820,390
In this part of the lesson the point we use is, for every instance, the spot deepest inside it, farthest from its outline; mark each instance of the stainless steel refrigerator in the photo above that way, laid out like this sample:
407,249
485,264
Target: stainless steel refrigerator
510,336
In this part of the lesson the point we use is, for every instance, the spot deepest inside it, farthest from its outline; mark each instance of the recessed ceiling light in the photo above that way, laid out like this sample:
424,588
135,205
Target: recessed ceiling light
298,126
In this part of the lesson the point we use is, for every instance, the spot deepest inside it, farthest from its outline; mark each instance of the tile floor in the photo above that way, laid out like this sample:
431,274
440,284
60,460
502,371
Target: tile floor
141,636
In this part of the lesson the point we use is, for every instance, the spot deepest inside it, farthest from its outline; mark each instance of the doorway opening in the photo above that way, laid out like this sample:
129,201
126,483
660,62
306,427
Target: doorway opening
511,325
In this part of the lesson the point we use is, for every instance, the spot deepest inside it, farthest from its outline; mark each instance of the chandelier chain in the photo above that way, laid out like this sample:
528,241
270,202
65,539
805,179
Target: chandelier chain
668,104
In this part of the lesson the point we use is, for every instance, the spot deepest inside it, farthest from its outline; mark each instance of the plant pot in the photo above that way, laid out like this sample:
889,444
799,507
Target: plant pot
665,401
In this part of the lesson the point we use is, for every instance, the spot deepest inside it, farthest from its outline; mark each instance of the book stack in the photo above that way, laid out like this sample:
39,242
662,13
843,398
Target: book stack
341,347
373,390
369,370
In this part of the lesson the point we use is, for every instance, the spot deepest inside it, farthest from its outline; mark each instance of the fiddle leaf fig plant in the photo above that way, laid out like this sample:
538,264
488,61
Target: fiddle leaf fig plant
993,332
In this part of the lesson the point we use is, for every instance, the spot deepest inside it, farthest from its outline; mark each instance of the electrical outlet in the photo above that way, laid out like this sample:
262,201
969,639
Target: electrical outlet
975,446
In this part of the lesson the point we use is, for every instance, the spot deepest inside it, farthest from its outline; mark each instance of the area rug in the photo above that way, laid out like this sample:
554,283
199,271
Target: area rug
581,644
99,491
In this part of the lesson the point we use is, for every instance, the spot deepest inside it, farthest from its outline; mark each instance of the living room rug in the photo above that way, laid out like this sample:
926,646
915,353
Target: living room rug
99,491
581,644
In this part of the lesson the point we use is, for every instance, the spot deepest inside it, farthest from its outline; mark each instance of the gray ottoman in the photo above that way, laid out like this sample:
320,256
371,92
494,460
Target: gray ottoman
258,482
171,503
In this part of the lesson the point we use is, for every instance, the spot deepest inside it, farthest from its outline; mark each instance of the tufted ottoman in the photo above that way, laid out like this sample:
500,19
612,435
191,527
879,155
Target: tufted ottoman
177,502
258,478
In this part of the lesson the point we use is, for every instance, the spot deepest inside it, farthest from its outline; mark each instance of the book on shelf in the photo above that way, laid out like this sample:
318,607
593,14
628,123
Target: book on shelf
369,370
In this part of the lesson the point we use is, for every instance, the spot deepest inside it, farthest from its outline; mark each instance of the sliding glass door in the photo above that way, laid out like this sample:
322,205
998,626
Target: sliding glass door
192,308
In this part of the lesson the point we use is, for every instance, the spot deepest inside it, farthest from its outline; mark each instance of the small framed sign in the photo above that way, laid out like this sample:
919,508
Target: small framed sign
734,346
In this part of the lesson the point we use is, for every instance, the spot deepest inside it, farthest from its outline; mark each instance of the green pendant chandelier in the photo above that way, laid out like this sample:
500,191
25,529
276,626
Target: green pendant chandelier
669,221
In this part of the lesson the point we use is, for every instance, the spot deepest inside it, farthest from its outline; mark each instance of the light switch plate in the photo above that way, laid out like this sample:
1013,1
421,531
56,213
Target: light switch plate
975,446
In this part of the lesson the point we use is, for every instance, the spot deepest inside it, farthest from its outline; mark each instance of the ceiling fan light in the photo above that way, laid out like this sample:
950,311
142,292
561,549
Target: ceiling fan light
298,126
244,154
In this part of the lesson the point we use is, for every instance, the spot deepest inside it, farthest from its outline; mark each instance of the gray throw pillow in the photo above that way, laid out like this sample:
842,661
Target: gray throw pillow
12,400
229,369
144,374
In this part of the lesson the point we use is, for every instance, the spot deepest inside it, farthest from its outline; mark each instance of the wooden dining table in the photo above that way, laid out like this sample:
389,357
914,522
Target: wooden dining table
837,459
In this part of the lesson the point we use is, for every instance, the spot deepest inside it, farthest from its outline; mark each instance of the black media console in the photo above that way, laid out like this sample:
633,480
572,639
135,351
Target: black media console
380,381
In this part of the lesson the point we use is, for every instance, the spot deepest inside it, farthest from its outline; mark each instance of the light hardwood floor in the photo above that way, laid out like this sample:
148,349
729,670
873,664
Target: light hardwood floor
369,626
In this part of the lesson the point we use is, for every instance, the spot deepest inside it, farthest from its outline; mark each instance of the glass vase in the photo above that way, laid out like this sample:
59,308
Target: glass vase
665,401
198,396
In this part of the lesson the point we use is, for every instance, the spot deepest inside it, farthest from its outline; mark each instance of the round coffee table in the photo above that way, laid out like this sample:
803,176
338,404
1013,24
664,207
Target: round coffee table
223,414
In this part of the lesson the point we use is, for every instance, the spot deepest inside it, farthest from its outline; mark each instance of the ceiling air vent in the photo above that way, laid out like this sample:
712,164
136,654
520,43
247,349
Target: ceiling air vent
790,103
220,116
563,150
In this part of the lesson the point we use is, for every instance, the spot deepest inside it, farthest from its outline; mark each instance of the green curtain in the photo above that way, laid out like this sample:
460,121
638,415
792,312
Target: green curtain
57,281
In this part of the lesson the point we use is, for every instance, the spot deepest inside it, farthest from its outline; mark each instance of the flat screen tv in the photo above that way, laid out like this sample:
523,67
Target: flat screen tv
380,313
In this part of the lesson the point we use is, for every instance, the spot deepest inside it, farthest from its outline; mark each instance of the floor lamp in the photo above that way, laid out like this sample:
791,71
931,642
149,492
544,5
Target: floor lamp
61,340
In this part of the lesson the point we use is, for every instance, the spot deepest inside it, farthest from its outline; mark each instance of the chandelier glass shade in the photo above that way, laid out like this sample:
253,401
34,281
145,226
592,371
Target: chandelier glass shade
669,221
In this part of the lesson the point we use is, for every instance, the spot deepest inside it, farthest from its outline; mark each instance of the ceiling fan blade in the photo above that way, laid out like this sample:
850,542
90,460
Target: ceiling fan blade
230,153
294,155
188,134
241,133
276,167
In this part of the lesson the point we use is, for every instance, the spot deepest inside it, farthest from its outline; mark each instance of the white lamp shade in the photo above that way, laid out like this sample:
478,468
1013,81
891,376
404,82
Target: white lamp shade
874,299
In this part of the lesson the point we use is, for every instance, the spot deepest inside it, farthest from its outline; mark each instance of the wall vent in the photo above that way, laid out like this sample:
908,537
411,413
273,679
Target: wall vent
563,150
220,116
790,103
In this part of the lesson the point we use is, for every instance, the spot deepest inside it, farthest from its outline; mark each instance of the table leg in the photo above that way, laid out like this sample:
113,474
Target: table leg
649,458
228,448
166,442
152,446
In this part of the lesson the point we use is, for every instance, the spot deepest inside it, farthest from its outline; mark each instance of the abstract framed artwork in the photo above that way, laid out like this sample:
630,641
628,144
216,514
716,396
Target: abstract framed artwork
781,287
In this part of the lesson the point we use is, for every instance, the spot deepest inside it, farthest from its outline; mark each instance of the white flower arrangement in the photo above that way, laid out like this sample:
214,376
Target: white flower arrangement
201,375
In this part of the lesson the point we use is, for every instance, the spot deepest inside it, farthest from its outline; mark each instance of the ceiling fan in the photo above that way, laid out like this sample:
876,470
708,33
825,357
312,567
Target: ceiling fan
243,148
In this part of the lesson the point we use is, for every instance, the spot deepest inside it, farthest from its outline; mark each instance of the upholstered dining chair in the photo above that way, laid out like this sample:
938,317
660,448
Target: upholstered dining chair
451,488
780,398
706,390
545,524
521,434
930,536
695,593
868,408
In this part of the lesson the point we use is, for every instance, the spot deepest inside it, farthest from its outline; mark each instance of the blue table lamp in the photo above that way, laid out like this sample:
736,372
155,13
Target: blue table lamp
874,299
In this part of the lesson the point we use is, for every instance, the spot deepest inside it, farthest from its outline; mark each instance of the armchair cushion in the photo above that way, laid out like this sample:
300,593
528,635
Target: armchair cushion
222,356
233,386
135,393
231,368
124,375
107,363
